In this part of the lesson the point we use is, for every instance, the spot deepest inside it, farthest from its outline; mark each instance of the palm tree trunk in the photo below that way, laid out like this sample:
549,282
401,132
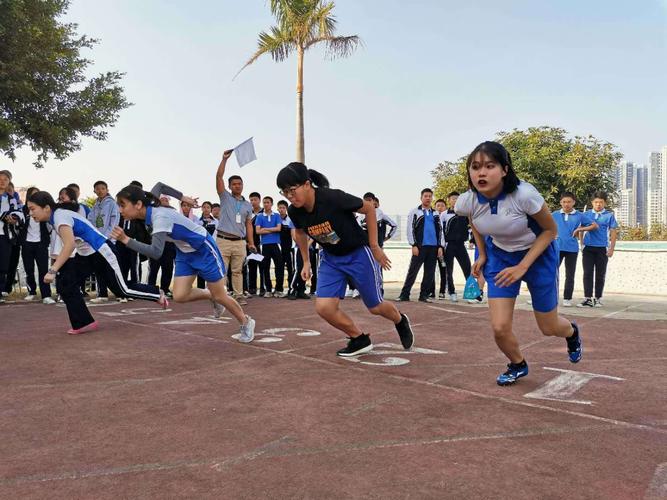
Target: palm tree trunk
300,153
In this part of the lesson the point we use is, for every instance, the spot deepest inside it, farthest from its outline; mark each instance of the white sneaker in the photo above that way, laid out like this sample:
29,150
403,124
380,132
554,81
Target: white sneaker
218,309
99,300
349,293
355,294
453,297
5,294
598,303
567,303
48,300
247,331
280,295
122,300
30,298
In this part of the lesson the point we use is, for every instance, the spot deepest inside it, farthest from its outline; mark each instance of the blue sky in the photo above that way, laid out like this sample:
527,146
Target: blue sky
433,79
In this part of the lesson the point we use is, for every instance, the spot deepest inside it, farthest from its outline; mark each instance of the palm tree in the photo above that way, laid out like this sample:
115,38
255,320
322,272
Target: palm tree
302,24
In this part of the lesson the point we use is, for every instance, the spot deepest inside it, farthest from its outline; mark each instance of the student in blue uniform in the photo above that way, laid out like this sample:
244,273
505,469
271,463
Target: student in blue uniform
569,222
196,251
76,232
598,249
328,216
515,234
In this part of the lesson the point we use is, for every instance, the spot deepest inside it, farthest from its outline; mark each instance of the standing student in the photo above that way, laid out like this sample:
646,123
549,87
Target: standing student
104,217
598,249
254,267
210,223
328,216
269,226
515,234
456,232
569,222
441,208
286,242
235,236
35,240
15,251
76,232
424,235
196,251
215,211
11,216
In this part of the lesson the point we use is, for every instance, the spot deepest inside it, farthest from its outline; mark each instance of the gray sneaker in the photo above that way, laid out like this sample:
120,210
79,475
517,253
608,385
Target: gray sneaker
247,331
218,309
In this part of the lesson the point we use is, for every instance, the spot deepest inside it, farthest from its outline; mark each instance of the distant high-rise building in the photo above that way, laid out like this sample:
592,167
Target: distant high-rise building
626,193
641,174
655,207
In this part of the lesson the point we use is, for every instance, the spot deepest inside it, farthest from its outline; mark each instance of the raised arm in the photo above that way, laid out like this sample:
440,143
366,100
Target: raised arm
219,180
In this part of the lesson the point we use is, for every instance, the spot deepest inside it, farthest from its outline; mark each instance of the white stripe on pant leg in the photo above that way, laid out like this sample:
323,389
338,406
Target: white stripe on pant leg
217,260
378,284
110,257
293,283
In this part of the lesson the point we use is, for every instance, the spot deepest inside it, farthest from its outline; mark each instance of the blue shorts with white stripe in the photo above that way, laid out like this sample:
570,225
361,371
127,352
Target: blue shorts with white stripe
205,262
359,267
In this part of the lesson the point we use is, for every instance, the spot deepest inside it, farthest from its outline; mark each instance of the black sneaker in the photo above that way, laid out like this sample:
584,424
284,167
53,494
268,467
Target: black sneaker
291,296
574,348
425,299
403,299
356,346
587,303
404,329
303,295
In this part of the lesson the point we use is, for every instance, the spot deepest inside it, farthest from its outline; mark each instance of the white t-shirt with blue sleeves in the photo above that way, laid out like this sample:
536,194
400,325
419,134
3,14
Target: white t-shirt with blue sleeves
506,219
187,235
87,238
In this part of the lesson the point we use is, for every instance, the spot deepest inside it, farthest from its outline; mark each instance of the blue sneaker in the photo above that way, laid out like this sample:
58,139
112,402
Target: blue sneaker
574,348
514,372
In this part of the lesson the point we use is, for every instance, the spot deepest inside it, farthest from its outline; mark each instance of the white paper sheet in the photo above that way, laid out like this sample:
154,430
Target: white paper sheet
255,256
245,152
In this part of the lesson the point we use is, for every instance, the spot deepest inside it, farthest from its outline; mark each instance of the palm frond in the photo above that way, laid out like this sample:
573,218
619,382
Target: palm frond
278,43
337,46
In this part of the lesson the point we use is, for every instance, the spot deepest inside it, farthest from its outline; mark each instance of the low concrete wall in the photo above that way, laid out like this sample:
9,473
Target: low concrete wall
629,271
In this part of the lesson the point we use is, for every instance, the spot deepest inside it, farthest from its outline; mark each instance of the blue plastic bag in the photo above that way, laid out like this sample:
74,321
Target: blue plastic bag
471,291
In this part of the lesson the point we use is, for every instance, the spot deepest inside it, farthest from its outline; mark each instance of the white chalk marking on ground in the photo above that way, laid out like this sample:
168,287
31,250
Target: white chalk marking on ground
391,360
565,385
448,310
657,489
271,335
198,320
275,449
135,311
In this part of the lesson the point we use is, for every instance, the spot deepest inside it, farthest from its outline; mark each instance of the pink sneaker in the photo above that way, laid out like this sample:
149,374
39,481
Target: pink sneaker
91,327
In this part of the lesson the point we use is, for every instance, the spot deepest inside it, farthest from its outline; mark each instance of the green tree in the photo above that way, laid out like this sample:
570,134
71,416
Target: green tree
46,101
449,176
551,161
633,233
658,232
302,24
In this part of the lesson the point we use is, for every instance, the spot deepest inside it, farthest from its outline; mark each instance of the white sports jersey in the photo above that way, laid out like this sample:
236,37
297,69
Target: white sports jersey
506,219
87,238
187,235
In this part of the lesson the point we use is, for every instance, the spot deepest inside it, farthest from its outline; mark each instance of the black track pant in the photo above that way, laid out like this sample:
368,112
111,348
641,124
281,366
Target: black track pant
428,257
36,252
297,284
288,262
166,262
14,257
595,263
271,252
456,250
5,254
570,268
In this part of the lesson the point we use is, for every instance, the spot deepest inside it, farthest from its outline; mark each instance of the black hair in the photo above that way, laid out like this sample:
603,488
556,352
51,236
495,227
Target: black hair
453,193
500,155
375,198
136,183
369,195
135,194
44,199
440,200
100,182
73,185
295,174
568,194
71,194
600,194
282,203
255,194
233,178
29,192
207,203
269,198
427,190
215,205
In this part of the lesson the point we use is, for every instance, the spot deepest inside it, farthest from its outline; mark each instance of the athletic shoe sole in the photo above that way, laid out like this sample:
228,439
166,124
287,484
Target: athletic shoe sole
363,350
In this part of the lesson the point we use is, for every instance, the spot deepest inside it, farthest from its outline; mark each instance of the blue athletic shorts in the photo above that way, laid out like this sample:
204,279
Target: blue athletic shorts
541,278
205,262
358,266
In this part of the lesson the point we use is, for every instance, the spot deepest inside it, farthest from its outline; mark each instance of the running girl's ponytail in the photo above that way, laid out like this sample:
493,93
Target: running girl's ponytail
297,173
135,194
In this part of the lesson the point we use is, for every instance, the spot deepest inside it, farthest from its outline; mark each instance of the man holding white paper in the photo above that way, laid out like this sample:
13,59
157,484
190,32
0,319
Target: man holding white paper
234,229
